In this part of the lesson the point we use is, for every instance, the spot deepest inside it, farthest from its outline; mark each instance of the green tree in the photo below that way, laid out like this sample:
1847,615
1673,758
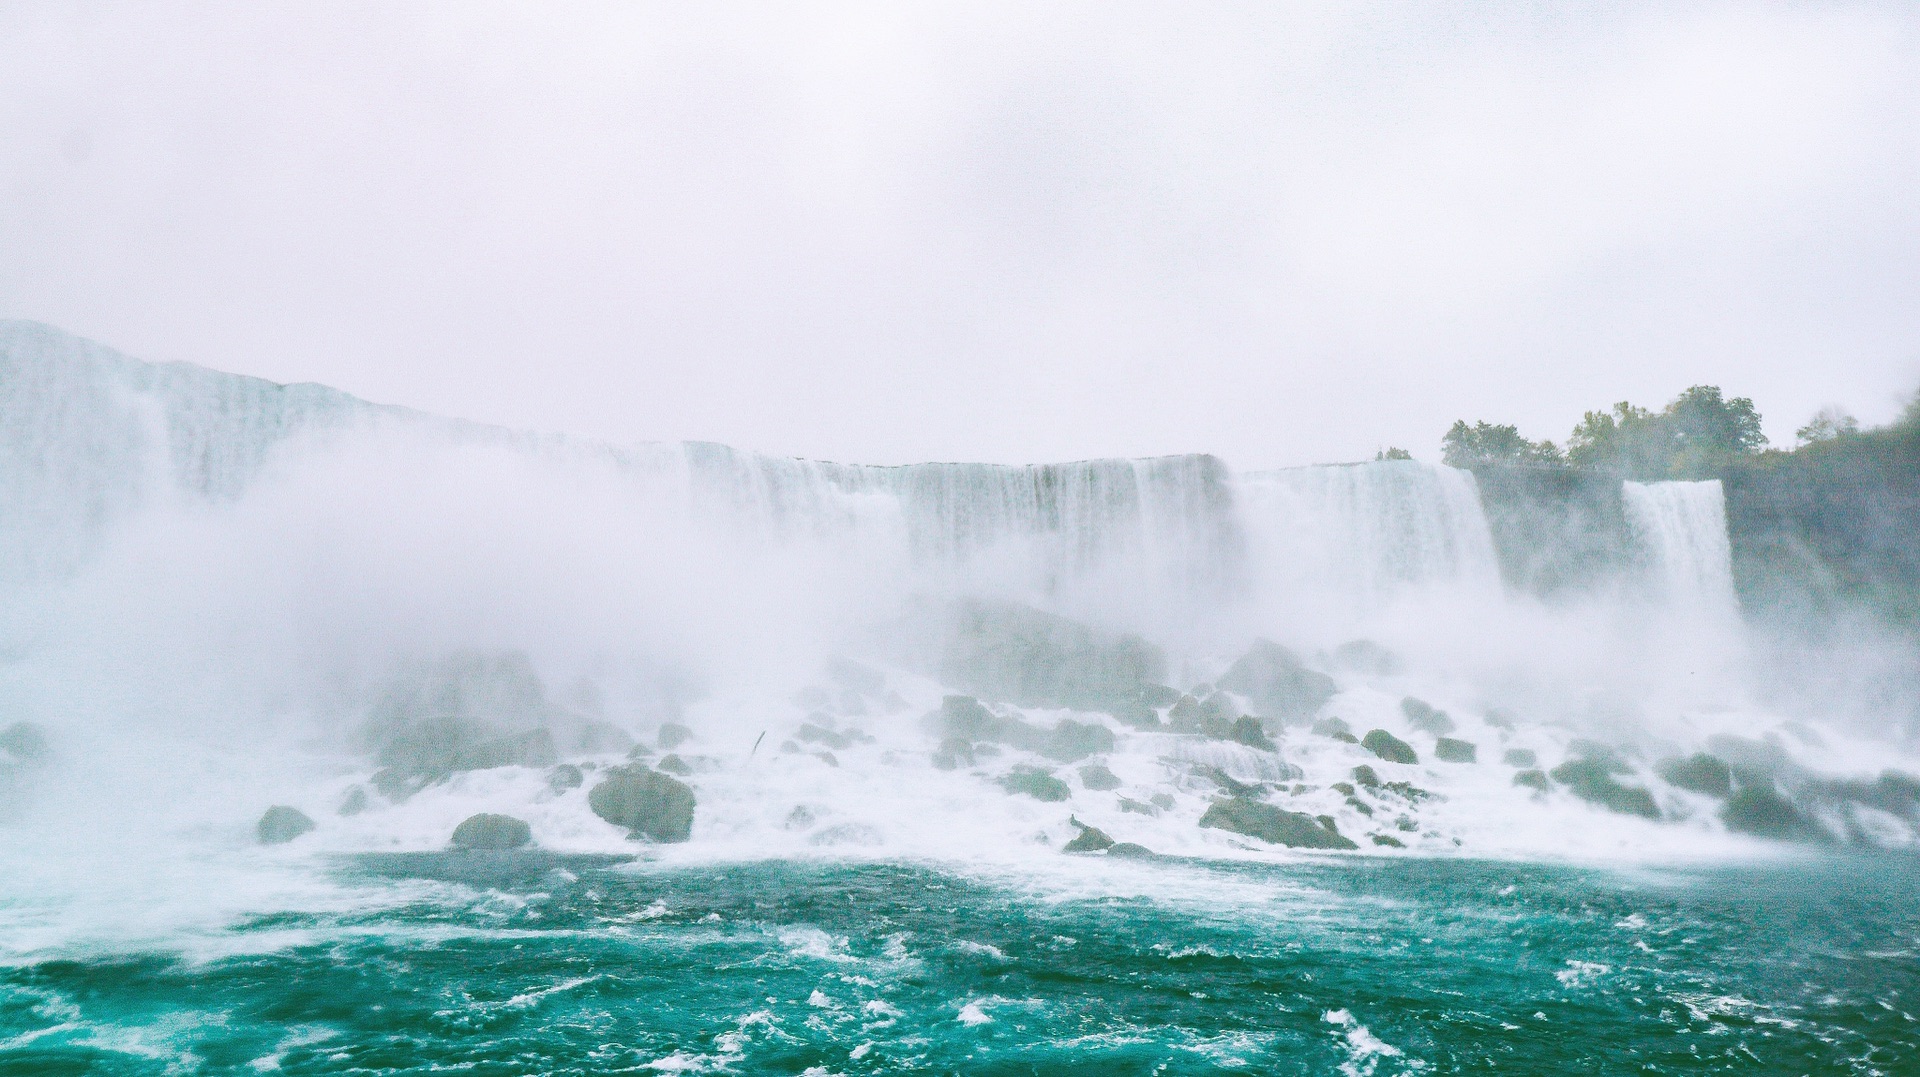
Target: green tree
1826,425
1628,440
1485,443
1710,431
1393,454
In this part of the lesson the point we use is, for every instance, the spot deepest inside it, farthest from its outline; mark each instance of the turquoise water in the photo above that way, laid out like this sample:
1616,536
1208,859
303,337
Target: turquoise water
1337,966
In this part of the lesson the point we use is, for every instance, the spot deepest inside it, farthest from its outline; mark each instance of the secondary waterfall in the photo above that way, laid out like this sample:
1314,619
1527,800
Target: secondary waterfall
1681,528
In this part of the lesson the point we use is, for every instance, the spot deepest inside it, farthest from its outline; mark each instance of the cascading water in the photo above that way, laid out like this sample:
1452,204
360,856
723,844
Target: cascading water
1682,530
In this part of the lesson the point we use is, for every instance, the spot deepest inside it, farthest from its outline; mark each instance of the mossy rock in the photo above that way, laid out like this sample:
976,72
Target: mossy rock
1387,840
1126,850
1758,810
1533,779
1426,717
1278,826
1389,747
1097,777
1449,750
1699,773
487,831
1520,757
1592,780
1036,783
282,824
1249,732
647,803
1364,775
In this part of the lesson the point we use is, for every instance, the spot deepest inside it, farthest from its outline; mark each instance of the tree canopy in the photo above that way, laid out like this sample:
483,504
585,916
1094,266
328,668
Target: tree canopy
1695,436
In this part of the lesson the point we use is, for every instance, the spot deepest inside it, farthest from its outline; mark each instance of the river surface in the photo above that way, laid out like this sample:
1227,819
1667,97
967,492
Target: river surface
1322,966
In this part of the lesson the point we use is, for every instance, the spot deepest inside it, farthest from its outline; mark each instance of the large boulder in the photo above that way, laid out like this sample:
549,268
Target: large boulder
1389,747
1699,773
1036,783
1450,750
487,831
1257,819
282,824
647,803
1097,777
1278,682
1592,780
469,711
1031,658
1091,839
1426,717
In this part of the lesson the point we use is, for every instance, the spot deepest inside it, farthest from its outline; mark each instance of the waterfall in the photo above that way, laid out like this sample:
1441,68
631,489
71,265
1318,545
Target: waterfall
1681,531
1360,534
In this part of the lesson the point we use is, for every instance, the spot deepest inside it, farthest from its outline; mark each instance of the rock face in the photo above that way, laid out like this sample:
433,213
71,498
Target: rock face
1426,717
1278,683
491,832
1035,783
1449,750
1699,773
1591,780
1389,747
282,824
1256,819
647,803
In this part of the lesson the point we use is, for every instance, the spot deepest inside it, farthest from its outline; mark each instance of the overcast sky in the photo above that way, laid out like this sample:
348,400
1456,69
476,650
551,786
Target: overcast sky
1283,234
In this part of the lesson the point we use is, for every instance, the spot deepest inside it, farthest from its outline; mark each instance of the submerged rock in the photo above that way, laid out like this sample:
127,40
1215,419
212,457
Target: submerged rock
1426,717
564,777
493,832
1036,783
282,824
1278,682
647,803
1520,757
1126,850
672,735
1257,819
1387,840
1097,777
1592,780
1389,747
1449,750
1699,773
1091,839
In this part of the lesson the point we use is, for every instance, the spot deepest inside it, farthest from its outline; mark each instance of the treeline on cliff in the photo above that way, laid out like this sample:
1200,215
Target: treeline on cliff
1832,523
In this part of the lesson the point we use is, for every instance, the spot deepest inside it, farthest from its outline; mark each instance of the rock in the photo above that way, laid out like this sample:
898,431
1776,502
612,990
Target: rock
1335,728
1163,801
953,753
25,742
1758,810
354,802
1387,840
857,677
1343,789
1365,775
1138,808
1256,819
394,785
1278,683
1520,757
1389,747
470,710
800,818
1592,780
1158,695
965,718
282,824
825,757
491,832
1091,839
1595,752
1070,740
1449,750
1500,718
1426,717
1532,779
564,777
672,735
1126,850
1227,782
1136,714
1213,716
1097,777
1034,659
810,732
813,697
1366,656
673,764
646,802
1699,773
1035,783
602,738
1248,731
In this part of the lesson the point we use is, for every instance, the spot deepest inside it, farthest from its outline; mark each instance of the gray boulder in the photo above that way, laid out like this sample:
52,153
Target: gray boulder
487,831
1260,820
1091,839
1449,750
25,742
282,824
1532,779
1520,757
1097,777
1278,682
1035,659
673,764
673,735
1389,747
647,803
564,777
1762,812
1592,780
1036,783
1426,717
1699,773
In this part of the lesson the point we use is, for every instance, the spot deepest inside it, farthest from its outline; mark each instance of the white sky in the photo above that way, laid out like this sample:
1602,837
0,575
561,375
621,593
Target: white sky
1279,233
